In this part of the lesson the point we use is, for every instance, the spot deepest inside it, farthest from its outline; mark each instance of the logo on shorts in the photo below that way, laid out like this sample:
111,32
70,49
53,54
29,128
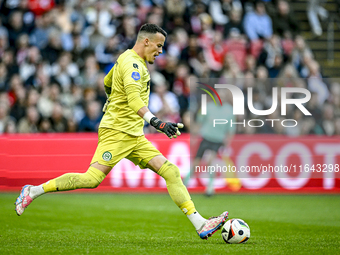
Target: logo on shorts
107,156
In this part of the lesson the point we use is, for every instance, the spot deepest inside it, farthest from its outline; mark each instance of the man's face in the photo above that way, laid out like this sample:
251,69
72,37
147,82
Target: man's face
154,47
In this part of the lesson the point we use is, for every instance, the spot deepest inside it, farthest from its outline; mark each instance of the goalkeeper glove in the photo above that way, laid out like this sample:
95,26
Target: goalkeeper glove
168,128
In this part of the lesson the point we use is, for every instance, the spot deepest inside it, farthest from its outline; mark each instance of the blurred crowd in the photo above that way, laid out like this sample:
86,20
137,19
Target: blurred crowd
54,55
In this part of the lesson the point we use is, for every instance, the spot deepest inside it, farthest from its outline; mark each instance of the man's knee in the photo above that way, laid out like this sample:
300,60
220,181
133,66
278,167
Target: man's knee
90,182
170,172
94,177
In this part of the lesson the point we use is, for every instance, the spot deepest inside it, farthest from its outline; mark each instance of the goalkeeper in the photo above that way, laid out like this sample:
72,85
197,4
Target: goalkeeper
121,135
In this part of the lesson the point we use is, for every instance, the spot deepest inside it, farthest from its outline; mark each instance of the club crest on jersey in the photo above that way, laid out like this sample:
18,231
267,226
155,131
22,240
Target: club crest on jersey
107,156
135,76
135,65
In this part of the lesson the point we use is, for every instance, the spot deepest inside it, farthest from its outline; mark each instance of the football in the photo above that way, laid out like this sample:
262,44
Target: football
235,231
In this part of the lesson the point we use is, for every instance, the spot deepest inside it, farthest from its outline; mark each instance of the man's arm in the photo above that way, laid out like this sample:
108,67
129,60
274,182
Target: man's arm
138,106
133,86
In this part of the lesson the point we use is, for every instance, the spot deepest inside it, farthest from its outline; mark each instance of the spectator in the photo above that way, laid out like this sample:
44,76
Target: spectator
80,48
18,111
88,77
250,64
263,85
237,47
10,127
99,26
3,116
178,42
156,17
314,108
15,84
40,35
328,119
215,52
257,24
107,53
169,70
90,122
163,102
235,24
45,126
3,77
193,54
15,27
29,124
284,20
297,130
337,126
40,78
29,66
276,68
28,16
335,97
299,52
207,32
22,47
271,49
58,121
231,73
3,40
65,71
32,97
53,49
49,96
174,10
11,66
316,84
62,17
220,10
181,86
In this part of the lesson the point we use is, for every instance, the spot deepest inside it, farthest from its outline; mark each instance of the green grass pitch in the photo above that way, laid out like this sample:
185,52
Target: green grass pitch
87,223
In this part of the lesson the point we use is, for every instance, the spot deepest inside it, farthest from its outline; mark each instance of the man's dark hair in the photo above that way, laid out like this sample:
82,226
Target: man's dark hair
152,29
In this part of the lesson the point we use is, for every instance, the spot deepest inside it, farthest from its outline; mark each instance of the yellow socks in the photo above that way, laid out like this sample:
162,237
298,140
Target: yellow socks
91,179
188,207
177,191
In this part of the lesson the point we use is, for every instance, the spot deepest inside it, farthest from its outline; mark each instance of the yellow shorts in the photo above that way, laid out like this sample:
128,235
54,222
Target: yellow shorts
115,145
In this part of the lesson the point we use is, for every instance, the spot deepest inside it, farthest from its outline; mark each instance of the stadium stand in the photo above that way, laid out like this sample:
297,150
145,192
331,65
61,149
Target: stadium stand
53,58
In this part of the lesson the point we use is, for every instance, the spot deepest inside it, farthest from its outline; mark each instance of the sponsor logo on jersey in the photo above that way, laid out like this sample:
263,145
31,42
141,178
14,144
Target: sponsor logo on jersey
135,65
135,76
107,156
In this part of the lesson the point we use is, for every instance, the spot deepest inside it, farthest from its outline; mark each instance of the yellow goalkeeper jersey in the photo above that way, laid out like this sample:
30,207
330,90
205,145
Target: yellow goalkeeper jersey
129,80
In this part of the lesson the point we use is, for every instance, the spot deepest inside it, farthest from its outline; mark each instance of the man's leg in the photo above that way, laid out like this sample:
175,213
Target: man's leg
70,181
180,195
110,142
